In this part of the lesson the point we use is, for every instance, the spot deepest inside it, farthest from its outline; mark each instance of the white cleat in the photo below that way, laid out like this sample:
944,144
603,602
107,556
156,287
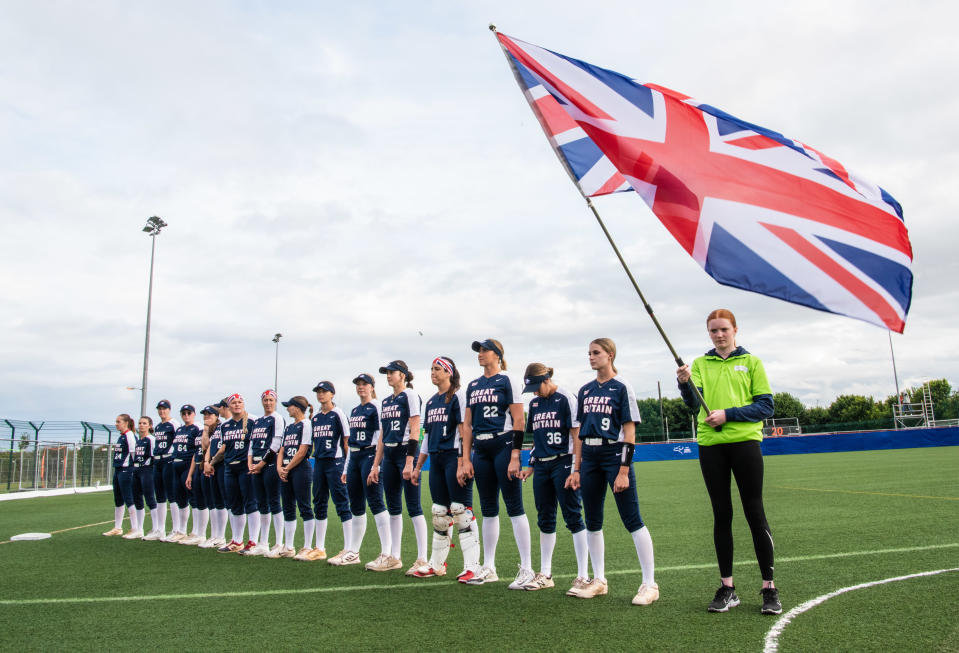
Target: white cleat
483,575
152,535
647,594
133,535
523,577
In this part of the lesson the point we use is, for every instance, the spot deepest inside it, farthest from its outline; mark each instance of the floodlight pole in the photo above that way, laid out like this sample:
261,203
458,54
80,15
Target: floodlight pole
276,365
153,226
895,375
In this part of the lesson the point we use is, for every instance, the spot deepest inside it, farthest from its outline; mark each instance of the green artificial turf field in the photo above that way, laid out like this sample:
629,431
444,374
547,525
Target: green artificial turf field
839,520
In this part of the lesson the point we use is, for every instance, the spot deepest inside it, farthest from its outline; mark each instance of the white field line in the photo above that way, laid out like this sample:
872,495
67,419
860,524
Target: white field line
432,583
772,637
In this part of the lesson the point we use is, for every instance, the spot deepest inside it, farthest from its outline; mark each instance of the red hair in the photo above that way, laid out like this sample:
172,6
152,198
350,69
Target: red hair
720,313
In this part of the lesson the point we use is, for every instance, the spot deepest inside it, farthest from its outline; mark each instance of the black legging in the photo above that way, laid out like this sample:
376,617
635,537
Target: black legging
745,461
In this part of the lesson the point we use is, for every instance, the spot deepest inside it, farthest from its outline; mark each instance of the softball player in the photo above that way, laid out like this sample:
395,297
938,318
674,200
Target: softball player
552,419
235,434
143,478
608,414
195,479
213,475
492,426
733,382
452,499
362,482
397,449
331,431
123,475
178,466
264,444
163,432
293,472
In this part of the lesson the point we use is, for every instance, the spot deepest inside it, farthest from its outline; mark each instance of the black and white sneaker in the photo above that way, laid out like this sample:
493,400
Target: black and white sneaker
771,604
725,598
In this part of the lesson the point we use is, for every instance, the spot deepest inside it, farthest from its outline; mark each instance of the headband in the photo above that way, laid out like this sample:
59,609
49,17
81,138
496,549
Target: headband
235,395
268,393
445,363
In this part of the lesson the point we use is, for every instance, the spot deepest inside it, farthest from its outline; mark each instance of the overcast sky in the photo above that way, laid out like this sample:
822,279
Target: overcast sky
367,179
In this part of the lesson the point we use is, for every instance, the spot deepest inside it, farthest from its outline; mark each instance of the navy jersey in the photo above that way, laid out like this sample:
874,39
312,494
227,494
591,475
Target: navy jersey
605,407
216,438
395,414
441,422
143,451
198,447
328,431
365,425
267,434
489,399
295,435
164,432
549,420
123,449
236,439
184,442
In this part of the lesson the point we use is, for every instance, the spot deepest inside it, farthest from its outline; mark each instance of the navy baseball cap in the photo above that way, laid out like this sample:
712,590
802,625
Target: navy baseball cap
210,410
223,403
487,344
533,382
395,365
365,378
324,385
296,402
187,408
164,403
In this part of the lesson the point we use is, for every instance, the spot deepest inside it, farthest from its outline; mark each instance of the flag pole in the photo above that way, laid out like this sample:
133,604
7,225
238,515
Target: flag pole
642,298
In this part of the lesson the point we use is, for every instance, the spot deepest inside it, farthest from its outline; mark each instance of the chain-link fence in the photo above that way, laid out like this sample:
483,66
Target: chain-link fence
52,465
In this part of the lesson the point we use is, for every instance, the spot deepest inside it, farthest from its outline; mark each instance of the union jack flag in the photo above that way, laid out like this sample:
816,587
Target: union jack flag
757,210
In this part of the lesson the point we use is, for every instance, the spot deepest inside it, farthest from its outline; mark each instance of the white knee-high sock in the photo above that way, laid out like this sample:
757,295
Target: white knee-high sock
348,533
523,540
204,518
132,512
154,519
241,522
582,554
141,519
224,515
490,530
185,518
254,518
547,542
644,550
264,529
174,518
382,521
118,517
308,526
357,532
396,536
597,553
419,529
278,528
289,530
320,533
161,506
235,530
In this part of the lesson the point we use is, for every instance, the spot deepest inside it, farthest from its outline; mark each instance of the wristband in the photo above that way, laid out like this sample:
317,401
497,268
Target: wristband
269,457
411,446
626,455
518,439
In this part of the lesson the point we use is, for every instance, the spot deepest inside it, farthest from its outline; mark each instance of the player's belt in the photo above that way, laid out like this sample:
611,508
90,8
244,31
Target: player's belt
355,449
547,459
162,456
480,437
596,442
257,459
391,444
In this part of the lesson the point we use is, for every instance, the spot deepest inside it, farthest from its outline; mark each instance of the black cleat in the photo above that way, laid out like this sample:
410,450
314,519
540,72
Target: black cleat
771,604
725,598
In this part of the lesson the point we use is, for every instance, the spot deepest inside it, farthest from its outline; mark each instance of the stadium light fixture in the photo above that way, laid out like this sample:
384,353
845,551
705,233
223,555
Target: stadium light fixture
276,365
153,226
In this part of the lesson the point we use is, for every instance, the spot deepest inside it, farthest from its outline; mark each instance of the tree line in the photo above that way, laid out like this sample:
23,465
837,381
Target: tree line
845,409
